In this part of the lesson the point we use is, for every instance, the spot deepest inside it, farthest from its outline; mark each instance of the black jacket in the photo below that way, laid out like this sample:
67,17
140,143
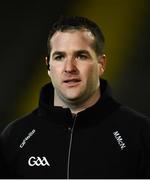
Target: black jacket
107,140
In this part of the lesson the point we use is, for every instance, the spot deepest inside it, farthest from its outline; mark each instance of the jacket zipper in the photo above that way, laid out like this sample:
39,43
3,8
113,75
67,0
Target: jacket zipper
70,145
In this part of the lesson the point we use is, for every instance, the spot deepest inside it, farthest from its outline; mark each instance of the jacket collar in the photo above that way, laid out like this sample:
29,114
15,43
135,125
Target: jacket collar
104,107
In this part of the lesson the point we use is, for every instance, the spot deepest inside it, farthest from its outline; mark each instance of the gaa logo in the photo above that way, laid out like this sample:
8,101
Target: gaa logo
37,161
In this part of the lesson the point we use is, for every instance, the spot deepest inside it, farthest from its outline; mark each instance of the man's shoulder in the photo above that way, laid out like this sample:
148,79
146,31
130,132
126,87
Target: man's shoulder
132,118
130,112
20,124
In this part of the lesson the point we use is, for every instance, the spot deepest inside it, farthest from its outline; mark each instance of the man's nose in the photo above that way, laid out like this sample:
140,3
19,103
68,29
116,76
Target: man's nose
70,66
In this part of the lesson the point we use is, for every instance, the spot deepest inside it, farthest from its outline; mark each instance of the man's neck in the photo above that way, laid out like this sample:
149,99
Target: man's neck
77,107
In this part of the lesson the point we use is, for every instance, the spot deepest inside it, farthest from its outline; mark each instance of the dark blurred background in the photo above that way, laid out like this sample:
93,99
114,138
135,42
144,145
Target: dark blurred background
24,29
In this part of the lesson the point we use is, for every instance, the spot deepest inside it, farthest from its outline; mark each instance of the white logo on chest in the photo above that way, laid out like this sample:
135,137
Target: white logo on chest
27,138
119,140
37,161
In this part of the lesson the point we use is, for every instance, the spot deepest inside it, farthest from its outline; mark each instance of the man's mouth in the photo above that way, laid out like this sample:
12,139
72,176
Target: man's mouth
72,82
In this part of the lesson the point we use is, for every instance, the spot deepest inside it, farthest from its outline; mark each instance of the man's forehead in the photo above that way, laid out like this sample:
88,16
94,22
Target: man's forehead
72,40
83,31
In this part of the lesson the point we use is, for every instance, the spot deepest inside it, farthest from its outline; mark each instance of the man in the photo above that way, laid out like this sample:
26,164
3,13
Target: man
78,130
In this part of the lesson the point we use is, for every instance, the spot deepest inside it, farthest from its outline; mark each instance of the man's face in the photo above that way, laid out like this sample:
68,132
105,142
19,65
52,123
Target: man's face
74,66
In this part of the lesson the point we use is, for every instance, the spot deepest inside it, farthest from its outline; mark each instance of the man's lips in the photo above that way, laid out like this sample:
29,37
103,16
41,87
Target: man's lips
71,82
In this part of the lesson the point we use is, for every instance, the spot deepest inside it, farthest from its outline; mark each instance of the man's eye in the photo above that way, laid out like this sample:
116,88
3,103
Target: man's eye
58,57
82,56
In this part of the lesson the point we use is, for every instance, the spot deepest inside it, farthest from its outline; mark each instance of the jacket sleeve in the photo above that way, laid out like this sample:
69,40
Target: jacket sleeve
145,139
5,150
3,169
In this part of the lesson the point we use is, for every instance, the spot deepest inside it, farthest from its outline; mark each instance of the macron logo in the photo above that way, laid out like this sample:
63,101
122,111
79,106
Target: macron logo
119,140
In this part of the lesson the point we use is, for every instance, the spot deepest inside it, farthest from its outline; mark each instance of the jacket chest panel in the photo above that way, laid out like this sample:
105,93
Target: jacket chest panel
45,154
91,152
95,154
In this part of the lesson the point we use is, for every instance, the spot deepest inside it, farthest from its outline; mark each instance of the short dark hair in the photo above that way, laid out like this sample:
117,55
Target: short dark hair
77,22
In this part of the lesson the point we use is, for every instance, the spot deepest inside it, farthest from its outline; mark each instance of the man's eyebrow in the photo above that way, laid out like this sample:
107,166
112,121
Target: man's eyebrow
82,51
58,53
78,52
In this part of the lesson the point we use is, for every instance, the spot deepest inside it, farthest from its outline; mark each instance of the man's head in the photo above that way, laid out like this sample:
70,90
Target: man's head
76,61
77,23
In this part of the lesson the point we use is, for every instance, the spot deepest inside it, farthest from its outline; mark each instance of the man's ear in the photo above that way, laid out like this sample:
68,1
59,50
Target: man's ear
102,64
47,62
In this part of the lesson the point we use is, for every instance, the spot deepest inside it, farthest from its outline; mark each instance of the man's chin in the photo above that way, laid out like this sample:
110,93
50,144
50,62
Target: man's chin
72,97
